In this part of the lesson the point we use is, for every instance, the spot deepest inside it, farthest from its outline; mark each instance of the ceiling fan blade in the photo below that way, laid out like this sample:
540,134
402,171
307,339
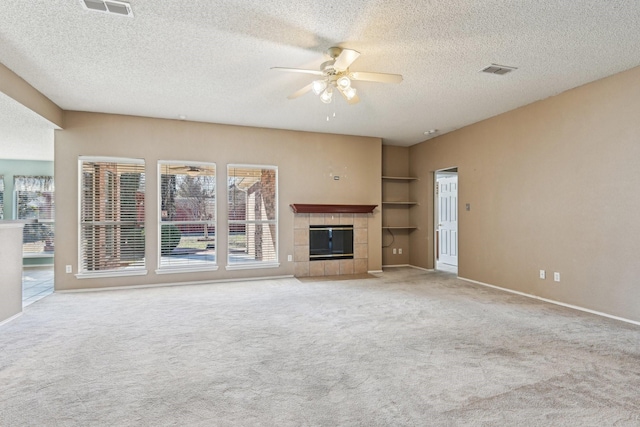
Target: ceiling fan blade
301,92
345,59
376,77
298,70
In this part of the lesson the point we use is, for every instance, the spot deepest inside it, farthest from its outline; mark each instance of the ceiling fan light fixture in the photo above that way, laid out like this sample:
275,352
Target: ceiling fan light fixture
326,96
344,82
318,86
349,93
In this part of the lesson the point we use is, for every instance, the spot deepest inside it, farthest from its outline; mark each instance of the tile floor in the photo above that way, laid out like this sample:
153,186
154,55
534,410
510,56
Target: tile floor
37,283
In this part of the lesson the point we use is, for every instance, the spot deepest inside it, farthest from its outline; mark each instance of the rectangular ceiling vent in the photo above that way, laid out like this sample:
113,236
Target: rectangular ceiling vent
500,70
113,7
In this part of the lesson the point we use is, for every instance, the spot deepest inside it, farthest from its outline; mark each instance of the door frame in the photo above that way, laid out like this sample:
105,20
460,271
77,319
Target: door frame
450,171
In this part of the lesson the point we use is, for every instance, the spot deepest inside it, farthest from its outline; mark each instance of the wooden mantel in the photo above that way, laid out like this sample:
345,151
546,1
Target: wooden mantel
303,208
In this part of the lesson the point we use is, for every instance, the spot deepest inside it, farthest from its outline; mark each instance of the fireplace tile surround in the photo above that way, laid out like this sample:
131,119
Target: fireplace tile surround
358,265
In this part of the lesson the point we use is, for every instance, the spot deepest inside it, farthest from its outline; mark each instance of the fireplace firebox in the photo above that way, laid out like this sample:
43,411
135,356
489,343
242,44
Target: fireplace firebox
330,242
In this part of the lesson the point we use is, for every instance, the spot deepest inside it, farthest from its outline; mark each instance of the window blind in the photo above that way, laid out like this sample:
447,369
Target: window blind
187,215
253,215
35,200
112,216
1,197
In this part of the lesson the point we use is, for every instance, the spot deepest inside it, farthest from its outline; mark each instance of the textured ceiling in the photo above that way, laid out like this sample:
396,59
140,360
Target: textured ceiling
210,60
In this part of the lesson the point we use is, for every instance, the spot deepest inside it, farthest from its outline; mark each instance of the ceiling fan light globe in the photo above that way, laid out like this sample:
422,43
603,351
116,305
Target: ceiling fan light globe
344,82
349,93
326,96
318,86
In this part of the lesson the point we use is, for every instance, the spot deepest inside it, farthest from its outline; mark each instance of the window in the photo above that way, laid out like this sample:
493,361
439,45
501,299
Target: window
187,216
253,213
112,196
34,200
1,197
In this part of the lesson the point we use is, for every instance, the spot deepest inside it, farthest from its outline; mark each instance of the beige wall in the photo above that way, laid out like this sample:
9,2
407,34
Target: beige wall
554,186
305,162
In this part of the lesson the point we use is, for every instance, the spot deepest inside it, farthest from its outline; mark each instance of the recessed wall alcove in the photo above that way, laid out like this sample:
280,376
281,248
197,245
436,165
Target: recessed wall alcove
312,215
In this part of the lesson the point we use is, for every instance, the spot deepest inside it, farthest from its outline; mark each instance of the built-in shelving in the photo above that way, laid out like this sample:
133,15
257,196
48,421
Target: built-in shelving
394,199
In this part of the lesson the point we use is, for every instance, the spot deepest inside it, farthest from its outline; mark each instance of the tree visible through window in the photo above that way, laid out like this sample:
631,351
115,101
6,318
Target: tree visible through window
253,225
112,215
34,200
187,215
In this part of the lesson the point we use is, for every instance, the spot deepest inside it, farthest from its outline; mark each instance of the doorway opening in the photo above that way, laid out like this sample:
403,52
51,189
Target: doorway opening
446,220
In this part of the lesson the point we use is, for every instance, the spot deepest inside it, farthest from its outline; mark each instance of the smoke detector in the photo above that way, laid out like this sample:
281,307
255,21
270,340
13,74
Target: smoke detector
112,7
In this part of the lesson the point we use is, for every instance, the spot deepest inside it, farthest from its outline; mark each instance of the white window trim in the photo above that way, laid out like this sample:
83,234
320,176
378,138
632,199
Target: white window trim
115,273
256,265
141,271
183,268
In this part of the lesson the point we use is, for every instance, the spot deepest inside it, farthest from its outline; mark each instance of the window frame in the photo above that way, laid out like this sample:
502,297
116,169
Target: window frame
259,264
36,221
185,268
82,274
2,189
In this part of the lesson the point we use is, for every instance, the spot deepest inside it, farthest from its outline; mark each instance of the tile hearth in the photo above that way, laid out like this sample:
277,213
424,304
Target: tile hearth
358,265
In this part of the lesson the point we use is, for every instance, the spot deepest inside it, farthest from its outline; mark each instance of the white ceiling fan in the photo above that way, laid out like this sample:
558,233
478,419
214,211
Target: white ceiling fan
336,75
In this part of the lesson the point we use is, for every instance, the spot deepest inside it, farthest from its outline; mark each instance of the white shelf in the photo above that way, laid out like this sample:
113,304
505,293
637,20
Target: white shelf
400,203
399,178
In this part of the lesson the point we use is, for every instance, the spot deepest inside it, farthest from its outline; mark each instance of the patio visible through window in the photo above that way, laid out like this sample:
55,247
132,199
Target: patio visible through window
112,233
253,213
187,216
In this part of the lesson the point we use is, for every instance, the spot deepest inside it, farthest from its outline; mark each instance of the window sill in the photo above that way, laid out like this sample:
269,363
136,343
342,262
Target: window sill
111,274
179,270
253,266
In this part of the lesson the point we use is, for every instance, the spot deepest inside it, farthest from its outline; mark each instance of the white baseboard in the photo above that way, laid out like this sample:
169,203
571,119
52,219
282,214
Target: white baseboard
395,265
14,317
162,285
423,269
575,307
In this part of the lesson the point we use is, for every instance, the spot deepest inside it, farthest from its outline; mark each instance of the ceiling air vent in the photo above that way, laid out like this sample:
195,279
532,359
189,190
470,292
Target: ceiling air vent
498,69
108,6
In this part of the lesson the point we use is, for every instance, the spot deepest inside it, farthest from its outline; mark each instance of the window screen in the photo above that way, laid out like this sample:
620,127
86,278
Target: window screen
34,200
187,215
253,213
112,216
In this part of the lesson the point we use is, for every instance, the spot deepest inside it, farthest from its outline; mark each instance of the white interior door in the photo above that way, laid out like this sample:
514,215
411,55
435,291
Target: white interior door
448,219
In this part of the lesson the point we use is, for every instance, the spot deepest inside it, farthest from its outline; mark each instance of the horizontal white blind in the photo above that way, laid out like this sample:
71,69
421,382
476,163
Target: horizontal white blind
35,200
187,215
112,216
1,197
253,214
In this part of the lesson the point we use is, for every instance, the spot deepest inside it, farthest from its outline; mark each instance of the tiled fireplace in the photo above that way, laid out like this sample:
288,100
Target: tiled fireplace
302,222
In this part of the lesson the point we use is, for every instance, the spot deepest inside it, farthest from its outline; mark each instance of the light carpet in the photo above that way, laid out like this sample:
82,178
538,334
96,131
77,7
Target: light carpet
409,348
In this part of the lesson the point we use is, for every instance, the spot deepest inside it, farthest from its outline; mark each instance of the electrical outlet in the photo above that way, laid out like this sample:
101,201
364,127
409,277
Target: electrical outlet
394,251
556,277
289,258
543,274
68,269
400,251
